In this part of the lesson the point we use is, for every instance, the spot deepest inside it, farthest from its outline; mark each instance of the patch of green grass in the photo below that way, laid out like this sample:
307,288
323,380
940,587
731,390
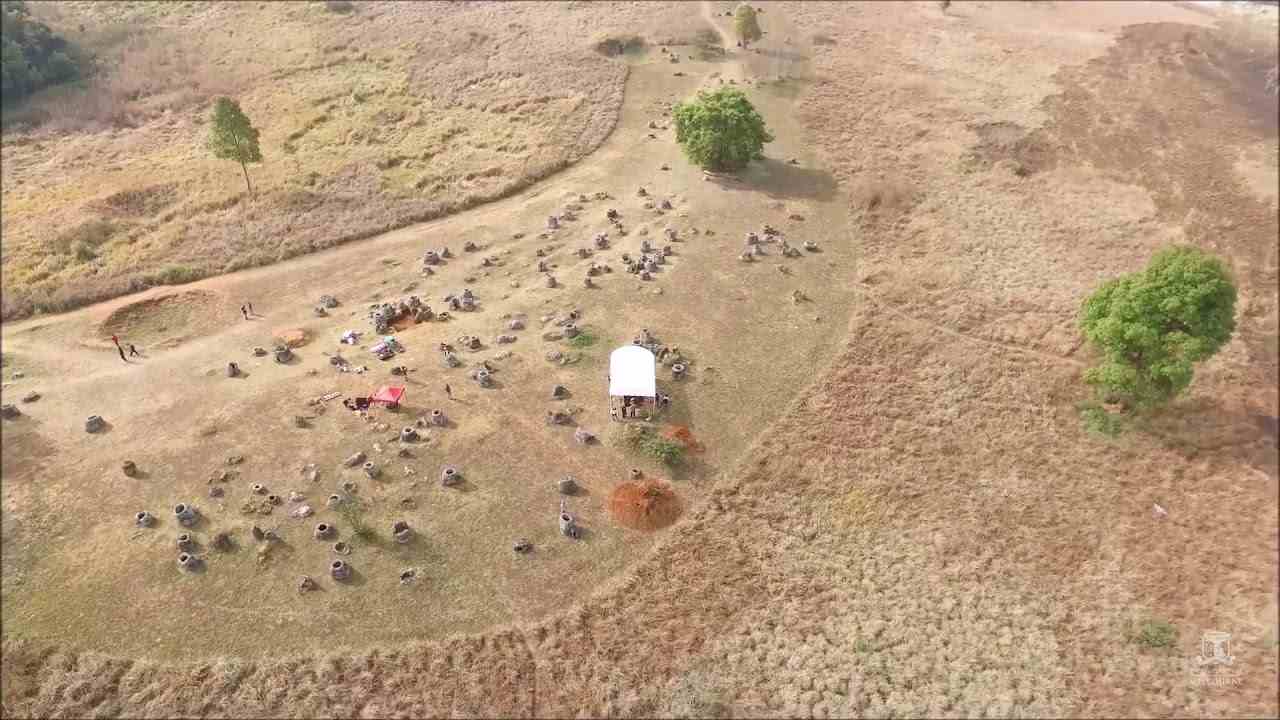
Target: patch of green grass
352,512
584,339
647,442
1097,420
177,275
1156,634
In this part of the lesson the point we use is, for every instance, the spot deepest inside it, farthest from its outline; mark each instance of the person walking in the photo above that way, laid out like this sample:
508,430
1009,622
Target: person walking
121,351
448,391
133,351
244,312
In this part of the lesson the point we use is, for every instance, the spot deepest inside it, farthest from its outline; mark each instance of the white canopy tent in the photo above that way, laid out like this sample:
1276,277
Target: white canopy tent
633,372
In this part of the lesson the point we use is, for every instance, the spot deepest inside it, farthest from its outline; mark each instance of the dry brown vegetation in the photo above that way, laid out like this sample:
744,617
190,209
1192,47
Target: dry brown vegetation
390,114
927,528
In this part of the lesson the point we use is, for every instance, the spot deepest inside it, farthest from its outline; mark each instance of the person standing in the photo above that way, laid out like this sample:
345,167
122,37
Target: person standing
133,351
244,312
448,391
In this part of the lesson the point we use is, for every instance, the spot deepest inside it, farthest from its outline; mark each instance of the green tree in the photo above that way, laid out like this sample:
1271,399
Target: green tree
31,55
721,130
1153,325
746,24
233,137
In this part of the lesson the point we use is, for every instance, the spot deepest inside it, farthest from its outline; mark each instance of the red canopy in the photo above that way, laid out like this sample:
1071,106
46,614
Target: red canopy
387,394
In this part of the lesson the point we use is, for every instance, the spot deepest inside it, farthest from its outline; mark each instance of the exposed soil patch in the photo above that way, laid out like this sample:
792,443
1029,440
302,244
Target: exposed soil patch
167,317
644,505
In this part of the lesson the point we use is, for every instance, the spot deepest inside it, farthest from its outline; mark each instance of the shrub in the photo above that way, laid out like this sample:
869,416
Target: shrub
1152,326
721,130
1156,634
91,234
177,275
646,442
666,451
584,339
1098,420
613,46
31,56
352,511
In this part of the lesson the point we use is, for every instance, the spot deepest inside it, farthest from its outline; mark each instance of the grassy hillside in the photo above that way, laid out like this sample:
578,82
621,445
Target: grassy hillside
372,116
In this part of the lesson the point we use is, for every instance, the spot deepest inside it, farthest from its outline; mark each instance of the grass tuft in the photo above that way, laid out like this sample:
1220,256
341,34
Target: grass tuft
584,339
1156,634
1098,421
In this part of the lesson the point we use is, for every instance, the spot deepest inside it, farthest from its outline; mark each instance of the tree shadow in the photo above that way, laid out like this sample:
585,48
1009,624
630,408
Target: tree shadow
783,181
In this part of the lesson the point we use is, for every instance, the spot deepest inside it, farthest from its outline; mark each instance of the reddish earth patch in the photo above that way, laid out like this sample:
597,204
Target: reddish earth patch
681,434
644,505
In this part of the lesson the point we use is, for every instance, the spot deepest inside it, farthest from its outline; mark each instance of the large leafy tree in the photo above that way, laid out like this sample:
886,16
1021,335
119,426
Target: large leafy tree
233,137
747,25
721,130
1153,325
31,55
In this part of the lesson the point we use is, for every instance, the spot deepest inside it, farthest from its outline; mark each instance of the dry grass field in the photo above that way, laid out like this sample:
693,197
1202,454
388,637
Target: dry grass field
898,511
391,114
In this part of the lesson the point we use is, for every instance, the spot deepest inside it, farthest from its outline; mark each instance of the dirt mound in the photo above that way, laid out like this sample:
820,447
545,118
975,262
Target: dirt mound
166,317
644,505
681,434
293,337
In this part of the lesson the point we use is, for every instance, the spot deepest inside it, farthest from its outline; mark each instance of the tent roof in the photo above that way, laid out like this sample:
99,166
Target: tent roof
633,371
387,394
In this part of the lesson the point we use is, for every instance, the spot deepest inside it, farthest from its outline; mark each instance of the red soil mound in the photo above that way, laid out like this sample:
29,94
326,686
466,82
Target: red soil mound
681,434
644,505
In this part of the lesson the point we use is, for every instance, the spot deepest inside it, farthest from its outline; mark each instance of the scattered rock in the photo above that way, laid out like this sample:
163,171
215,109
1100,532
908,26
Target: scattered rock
522,546
94,424
129,468
31,397
306,584
354,460
583,436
